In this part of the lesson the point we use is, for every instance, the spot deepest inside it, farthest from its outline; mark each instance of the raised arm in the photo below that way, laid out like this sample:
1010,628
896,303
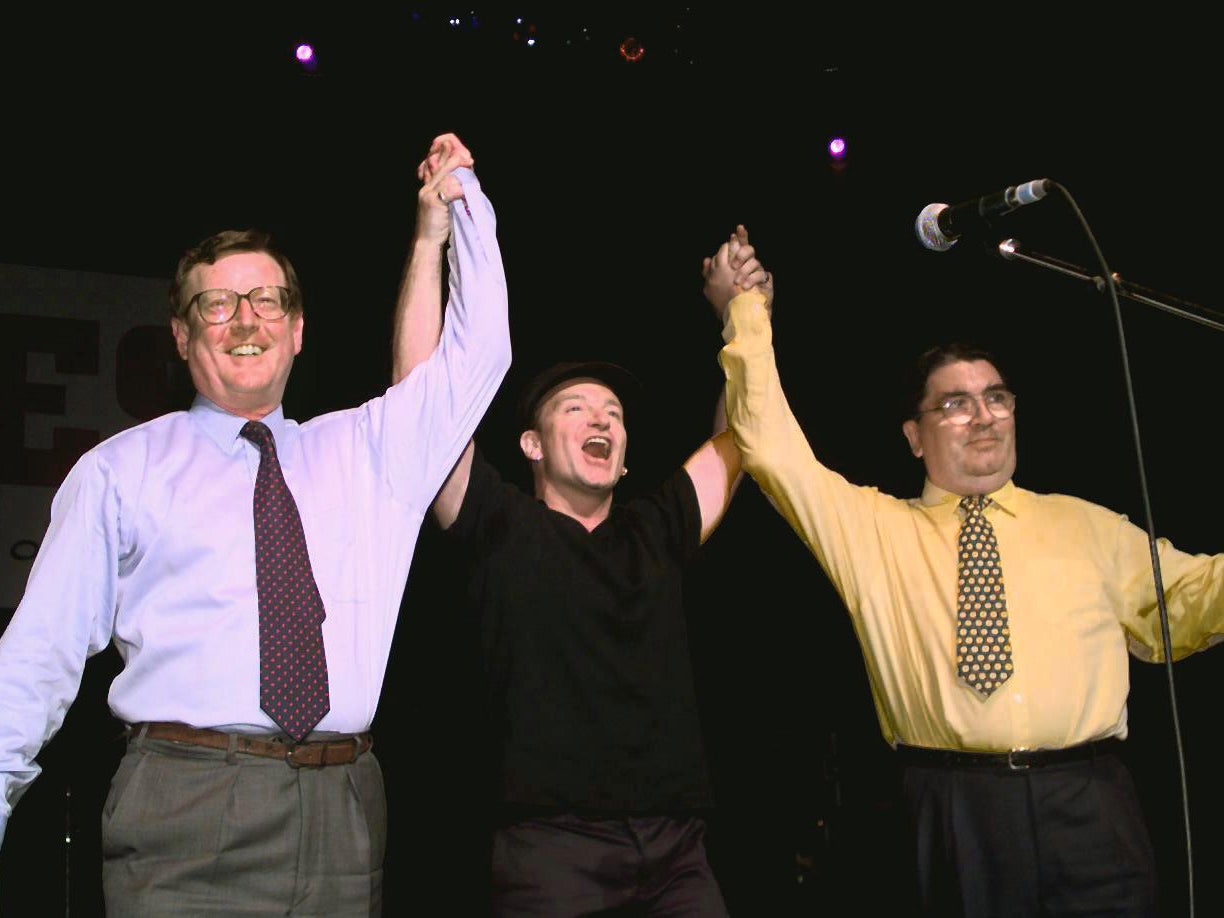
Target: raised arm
452,364
418,311
715,467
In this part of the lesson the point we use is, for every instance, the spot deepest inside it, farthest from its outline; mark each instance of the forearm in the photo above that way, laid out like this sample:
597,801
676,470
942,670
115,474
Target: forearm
434,412
1194,597
476,333
418,310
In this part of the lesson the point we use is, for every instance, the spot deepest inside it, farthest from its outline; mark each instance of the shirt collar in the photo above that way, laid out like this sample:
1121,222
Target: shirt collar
935,496
224,428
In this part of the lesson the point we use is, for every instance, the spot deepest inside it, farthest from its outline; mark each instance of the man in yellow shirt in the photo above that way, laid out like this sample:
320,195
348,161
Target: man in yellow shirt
995,632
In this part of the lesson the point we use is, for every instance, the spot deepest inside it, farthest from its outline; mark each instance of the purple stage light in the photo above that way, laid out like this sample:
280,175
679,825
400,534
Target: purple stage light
837,147
304,53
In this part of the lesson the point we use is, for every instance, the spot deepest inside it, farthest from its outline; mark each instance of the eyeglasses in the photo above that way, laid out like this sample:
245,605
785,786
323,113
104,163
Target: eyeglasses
962,408
216,307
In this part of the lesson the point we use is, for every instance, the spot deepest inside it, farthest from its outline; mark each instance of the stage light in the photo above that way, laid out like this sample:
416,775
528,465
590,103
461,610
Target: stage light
632,50
305,54
837,148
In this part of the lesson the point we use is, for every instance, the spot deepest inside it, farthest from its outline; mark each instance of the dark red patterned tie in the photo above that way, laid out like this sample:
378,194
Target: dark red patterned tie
292,662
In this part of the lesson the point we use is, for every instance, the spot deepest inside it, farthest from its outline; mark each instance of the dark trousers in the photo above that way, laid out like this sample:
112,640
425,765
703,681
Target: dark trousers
1065,839
566,866
191,831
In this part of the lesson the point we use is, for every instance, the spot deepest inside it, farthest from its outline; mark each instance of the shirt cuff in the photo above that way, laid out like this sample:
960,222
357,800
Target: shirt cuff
744,311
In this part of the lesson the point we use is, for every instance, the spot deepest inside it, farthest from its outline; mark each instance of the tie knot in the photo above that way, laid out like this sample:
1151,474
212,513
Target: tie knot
259,434
975,503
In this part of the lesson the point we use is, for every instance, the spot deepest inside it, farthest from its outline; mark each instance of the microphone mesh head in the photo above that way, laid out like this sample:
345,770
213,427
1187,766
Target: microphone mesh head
927,228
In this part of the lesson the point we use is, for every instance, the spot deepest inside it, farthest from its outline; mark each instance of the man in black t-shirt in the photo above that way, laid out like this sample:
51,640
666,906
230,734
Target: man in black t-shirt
602,769
582,622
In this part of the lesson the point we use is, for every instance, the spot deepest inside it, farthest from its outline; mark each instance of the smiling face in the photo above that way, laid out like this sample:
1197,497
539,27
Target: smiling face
578,443
242,365
965,459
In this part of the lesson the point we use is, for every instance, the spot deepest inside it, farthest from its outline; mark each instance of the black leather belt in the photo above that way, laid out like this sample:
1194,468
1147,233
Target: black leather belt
1016,760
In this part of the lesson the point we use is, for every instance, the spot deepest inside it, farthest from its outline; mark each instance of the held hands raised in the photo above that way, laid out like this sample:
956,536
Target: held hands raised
439,187
733,269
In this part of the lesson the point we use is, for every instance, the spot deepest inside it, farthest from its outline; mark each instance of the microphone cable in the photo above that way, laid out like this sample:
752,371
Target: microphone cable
1166,640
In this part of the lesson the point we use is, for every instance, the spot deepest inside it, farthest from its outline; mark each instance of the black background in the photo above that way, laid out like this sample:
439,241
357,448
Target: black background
125,142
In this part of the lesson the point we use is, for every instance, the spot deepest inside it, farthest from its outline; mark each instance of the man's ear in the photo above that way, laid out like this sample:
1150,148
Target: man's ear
529,443
910,429
182,335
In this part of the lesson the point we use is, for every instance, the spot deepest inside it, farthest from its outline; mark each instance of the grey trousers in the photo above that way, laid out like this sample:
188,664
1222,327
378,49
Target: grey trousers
192,831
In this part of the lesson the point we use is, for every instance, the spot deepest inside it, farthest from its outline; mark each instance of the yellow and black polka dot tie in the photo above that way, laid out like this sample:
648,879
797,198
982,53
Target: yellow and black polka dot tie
983,638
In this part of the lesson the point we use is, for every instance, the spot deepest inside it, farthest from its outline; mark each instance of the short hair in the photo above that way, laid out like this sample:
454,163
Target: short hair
623,384
933,359
228,242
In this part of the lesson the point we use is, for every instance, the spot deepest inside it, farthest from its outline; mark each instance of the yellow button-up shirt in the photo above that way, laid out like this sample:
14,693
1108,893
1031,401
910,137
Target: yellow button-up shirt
1078,576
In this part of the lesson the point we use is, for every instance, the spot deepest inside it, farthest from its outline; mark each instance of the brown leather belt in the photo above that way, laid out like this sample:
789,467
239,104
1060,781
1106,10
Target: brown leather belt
339,751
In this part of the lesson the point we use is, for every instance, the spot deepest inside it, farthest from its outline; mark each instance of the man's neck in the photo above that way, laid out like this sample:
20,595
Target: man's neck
590,509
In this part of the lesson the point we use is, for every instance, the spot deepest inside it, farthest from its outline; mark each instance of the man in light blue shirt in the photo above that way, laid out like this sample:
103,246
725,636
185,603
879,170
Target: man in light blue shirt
152,545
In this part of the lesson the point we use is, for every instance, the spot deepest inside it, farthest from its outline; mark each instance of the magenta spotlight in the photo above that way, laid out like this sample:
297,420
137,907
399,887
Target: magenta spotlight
837,148
305,54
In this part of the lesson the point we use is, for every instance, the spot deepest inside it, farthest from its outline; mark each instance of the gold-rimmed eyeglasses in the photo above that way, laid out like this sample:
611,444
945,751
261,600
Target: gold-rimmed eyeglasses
216,307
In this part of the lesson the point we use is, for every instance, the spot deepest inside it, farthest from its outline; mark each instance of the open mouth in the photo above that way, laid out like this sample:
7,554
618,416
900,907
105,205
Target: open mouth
597,447
246,350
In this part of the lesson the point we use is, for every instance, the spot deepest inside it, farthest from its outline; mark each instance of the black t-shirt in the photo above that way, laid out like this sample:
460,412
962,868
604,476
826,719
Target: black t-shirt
586,648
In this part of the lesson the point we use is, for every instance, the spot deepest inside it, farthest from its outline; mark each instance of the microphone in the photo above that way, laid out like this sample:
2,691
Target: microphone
939,226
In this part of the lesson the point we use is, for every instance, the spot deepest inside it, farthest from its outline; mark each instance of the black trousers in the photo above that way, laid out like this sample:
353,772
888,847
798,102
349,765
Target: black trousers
567,865
1064,839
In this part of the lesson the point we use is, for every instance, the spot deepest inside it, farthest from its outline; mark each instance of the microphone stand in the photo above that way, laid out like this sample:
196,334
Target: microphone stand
1012,250
1112,285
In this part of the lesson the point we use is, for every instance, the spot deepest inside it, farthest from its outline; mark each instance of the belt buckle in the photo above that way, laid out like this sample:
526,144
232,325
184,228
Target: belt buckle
1015,765
291,756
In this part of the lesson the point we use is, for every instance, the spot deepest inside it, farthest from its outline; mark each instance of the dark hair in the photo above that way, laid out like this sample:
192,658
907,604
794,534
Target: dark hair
615,377
933,359
227,242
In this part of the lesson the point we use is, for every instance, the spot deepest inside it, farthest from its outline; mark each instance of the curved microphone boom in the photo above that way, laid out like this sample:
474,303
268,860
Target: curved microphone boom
939,226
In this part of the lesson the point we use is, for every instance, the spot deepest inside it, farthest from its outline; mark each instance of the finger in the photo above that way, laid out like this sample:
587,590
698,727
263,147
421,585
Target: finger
706,264
451,147
462,155
757,278
436,190
452,159
747,271
450,189
741,233
743,255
